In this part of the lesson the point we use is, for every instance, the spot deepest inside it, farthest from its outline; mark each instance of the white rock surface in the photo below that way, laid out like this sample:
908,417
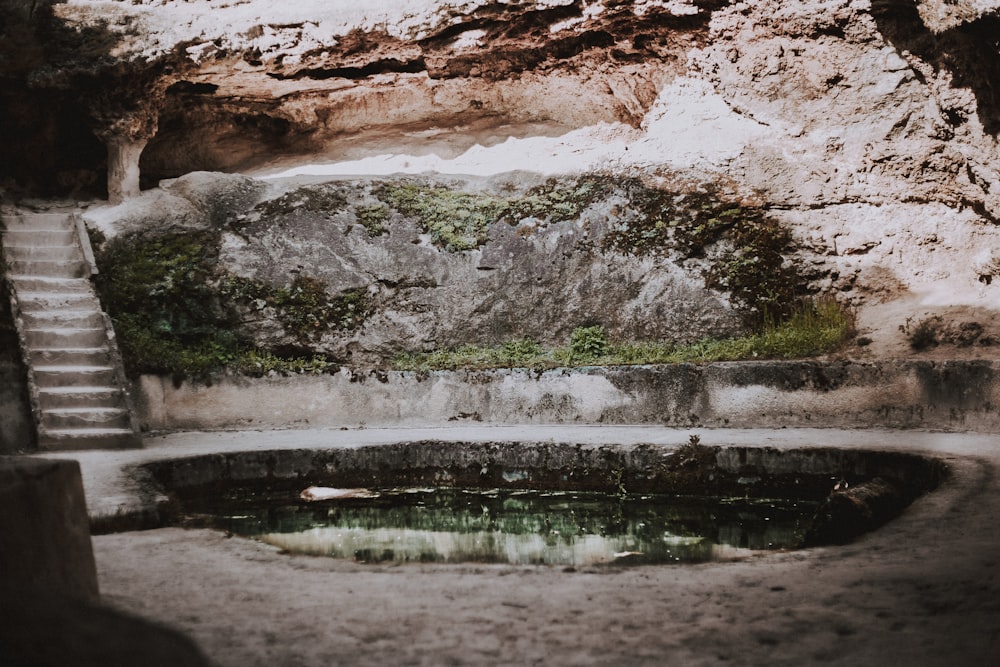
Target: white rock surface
881,157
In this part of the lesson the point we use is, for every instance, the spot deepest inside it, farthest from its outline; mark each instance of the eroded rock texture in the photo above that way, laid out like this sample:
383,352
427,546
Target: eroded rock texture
289,88
867,95
363,269
867,130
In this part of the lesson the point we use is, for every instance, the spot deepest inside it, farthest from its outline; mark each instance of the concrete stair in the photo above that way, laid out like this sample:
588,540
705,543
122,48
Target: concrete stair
78,390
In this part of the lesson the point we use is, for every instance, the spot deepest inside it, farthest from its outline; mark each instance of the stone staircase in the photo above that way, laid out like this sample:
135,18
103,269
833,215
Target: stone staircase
79,396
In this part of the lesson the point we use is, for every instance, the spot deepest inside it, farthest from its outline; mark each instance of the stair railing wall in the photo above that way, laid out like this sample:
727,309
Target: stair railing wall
83,238
34,401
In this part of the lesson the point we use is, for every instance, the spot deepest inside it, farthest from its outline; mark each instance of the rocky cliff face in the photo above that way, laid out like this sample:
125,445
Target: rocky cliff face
866,130
362,269
347,83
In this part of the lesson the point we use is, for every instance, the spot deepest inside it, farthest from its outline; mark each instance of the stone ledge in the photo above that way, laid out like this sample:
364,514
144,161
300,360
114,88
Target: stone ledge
951,395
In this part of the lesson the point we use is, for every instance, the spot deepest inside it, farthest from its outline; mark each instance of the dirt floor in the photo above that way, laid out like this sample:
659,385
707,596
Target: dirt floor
923,590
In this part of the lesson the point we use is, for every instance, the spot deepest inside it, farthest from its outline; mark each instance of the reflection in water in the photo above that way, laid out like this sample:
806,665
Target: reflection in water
522,527
387,544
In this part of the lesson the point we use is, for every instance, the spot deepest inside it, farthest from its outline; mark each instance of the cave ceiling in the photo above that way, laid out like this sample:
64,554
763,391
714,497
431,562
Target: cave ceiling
244,86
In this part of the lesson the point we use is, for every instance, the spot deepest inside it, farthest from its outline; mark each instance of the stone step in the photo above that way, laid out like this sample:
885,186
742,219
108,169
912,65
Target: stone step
85,417
79,397
74,268
40,221
74,381
56,300
48,284
59,253
70,356
87,438
48,337
89,318
74,376
23,236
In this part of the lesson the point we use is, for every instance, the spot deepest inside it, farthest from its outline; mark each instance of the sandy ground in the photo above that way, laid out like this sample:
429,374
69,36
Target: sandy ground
922,590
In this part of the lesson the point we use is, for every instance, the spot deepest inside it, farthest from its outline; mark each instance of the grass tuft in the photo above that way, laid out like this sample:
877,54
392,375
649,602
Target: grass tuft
815,329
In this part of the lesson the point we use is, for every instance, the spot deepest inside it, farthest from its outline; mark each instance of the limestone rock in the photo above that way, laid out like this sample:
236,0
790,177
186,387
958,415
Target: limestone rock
538,279
867,129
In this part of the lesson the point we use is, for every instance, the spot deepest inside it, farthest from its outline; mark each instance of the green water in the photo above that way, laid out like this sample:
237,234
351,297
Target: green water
521,527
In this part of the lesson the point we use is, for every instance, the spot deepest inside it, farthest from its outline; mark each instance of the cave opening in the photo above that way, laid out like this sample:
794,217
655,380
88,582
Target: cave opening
48,146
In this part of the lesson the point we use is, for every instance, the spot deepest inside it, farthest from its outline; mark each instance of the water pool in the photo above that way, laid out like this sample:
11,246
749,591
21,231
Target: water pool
513,526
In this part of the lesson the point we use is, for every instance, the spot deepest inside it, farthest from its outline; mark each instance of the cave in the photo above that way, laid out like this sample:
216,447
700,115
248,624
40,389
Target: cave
535,264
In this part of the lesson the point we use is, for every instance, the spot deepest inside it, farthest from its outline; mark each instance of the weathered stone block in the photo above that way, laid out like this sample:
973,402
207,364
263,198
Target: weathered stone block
44,527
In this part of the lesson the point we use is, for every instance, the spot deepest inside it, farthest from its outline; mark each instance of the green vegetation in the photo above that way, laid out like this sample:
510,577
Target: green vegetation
373,218
455,220
304,309
166,316
325,199
684,222
812,330
175,311
588,343
523,348
561,199
476,357
689,220
460,220
172,314
258,362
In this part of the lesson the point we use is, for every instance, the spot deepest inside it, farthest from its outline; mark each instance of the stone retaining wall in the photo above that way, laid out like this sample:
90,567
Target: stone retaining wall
17,431
955,395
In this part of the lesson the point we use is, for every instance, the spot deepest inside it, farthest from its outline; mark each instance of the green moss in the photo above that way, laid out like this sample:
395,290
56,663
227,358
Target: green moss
561,199
460,220
172,316
304,308
167,317
455,220
373,218
689,220
683,222
325,199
